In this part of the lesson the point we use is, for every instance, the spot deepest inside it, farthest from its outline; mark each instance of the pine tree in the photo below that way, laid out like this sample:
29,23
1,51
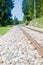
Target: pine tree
5,11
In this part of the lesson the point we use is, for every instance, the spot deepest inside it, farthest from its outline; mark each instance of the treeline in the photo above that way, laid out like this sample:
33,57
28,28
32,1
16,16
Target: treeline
28,9
16,21
5,12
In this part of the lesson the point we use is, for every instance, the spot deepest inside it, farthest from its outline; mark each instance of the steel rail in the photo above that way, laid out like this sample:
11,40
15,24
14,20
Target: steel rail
34,29
33,42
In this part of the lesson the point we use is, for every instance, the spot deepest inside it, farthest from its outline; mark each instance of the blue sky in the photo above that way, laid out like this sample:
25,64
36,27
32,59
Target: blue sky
17,10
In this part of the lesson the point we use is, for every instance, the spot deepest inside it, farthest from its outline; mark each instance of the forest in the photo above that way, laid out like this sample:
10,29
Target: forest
6,7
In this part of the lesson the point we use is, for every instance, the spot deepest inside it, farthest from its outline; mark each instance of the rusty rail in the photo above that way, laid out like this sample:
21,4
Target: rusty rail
34,42
33,29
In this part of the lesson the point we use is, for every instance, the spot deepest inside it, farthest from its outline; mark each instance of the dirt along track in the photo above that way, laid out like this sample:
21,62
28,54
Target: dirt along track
34,42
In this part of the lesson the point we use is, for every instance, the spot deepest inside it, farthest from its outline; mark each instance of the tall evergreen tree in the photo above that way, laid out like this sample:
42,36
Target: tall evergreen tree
27,9
5,11
25,6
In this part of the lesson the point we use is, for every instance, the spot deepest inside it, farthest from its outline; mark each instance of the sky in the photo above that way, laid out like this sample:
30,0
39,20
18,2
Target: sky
17,10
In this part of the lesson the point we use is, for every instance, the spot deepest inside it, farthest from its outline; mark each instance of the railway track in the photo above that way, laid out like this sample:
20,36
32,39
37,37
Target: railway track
40,31
33,42
36,34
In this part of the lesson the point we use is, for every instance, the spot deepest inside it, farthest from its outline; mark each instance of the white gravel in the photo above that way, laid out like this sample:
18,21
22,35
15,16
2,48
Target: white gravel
15,49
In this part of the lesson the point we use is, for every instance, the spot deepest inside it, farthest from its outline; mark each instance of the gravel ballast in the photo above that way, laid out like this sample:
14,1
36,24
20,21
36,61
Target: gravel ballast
16,49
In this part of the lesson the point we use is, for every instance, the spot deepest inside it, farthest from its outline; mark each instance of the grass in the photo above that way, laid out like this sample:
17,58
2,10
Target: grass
4,30
39,22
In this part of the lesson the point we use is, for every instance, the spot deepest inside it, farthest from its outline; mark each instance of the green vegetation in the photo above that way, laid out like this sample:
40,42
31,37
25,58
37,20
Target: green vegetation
4,30
6,7
5,12
39,22
28,9
16,21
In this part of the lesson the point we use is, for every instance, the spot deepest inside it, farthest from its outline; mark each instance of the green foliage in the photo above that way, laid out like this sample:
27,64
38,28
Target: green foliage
5,11
39,8
16,21
39,22
4,30
25,6
28,9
